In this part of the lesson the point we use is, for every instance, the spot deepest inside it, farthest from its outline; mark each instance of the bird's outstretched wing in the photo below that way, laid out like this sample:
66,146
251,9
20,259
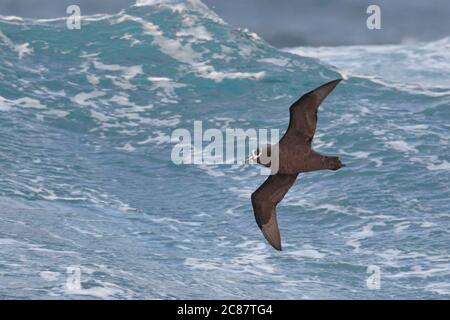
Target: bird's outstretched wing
303,113
265,200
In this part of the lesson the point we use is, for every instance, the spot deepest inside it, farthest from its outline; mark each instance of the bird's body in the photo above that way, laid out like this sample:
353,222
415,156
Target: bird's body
295,155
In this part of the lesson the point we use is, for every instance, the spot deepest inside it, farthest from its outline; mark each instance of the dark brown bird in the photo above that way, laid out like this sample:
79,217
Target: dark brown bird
295,156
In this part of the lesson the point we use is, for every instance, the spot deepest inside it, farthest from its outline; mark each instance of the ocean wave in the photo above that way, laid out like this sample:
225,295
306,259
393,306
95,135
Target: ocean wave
396,66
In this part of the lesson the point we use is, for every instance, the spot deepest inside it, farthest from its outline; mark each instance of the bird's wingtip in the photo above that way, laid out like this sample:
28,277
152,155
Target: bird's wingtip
324,90
271,232
335,81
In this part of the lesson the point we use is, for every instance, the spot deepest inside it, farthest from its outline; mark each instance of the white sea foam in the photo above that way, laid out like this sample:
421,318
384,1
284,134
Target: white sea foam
182,7
131,39
10,18
49,275
428,224
402,226
57,113
419,272
86,232
197,33
440,288
202,264
92,79
170,122
211,170
307,252
100,116
25,102
119,75
160,138
166,220
432,163
363,155
21,49
359,154
184,53
254,262
275,61
166,88
444,165
128,72
123,100
102,290
402,146
366,232
395,258
127,147
404,73
208,71
84,97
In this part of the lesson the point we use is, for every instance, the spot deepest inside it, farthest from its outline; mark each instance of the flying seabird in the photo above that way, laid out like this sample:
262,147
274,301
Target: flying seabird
295,156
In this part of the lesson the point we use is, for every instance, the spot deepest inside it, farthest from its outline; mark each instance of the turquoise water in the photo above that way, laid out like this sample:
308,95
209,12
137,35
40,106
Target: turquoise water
86,179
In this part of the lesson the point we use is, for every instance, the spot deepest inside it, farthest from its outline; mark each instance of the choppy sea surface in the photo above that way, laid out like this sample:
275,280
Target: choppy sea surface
86,180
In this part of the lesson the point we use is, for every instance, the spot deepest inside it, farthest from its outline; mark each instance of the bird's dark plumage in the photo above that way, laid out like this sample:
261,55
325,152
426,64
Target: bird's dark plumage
295,156
265,200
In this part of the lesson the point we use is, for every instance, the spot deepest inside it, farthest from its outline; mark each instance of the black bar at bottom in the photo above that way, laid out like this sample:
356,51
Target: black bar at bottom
220,309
